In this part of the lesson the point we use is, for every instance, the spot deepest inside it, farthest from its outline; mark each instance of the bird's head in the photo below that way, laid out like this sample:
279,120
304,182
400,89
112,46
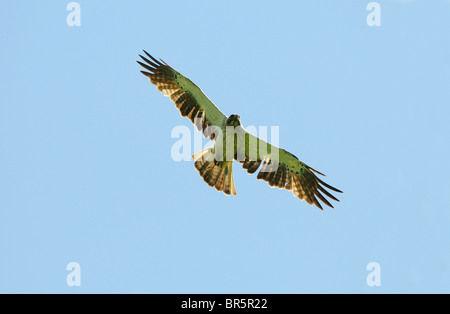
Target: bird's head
234,120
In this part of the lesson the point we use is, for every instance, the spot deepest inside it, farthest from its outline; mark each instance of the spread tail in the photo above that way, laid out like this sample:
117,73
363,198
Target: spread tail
218,174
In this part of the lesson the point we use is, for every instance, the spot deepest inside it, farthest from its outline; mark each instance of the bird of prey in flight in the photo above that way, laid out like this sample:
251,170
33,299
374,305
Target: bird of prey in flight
232,142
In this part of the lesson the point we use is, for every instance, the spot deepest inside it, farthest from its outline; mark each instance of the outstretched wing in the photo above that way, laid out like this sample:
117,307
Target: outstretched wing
187,96
283,170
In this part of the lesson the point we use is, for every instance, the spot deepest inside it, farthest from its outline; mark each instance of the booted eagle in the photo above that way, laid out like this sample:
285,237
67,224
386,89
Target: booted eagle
232,142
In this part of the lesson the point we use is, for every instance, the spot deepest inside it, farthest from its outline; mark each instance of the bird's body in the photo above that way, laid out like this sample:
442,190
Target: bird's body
232,142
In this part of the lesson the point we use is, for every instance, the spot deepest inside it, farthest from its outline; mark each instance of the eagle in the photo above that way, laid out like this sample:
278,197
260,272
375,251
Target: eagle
278,167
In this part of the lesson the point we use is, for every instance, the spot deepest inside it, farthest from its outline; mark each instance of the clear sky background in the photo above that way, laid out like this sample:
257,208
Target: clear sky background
86,173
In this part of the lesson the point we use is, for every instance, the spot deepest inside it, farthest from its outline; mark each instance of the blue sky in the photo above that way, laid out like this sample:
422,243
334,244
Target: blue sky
86,173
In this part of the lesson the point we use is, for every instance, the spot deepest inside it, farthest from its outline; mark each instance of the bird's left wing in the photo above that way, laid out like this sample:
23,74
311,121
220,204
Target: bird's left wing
188,97
284,170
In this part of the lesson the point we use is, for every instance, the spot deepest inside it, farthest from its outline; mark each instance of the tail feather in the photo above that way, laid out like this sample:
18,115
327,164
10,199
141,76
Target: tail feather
218,174
229,182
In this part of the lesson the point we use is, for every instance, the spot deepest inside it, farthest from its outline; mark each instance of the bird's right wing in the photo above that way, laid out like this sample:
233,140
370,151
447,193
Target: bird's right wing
187,96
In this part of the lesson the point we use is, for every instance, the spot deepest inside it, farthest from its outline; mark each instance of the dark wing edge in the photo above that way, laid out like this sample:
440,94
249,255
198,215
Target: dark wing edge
164,78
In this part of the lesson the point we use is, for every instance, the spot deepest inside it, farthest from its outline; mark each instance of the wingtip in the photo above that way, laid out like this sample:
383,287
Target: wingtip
316,202
151,57
329,186
316,171
319,206
147,74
